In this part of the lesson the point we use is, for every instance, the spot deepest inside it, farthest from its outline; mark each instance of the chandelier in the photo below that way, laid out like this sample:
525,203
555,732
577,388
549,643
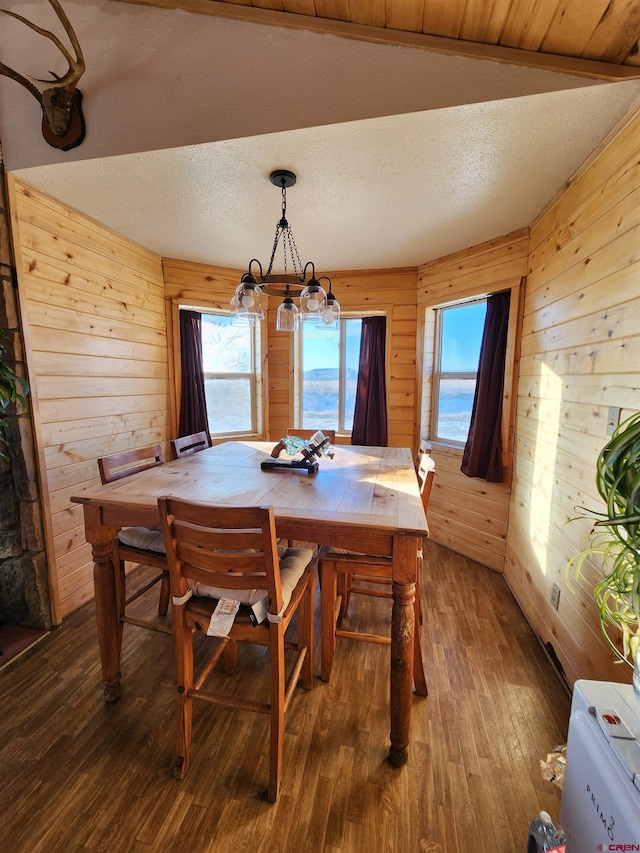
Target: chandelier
316,304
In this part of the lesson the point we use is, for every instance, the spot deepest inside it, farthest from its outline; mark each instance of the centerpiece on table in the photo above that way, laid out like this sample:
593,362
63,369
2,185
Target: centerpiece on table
292,445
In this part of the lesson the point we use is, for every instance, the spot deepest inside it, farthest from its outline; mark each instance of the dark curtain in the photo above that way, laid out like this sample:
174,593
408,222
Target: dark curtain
370,413
483,450
193,404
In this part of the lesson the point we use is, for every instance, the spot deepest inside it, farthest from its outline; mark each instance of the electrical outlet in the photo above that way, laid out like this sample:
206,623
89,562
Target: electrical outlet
555,596
613,419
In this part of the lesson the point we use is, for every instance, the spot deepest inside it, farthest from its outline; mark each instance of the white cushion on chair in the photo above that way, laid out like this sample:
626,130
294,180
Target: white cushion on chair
145,538
292,564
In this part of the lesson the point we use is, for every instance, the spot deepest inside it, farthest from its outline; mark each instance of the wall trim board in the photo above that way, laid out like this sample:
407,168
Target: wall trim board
593,69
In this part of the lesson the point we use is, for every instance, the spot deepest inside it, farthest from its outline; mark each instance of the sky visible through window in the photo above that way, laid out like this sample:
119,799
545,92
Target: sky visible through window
320,347
462,328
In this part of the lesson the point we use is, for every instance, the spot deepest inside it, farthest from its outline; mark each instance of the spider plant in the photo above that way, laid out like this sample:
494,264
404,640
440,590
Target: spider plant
13,389
615,536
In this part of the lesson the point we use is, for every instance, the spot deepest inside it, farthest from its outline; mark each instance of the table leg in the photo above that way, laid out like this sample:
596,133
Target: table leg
106,600
402,639
109,625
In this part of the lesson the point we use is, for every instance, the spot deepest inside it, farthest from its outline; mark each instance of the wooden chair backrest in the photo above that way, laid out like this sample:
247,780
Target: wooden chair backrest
221,546
426,473
188,444
129,462
423,447
307,433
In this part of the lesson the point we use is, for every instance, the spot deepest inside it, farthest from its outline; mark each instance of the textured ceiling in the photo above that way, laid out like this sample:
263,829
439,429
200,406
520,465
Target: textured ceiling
379,193
402,155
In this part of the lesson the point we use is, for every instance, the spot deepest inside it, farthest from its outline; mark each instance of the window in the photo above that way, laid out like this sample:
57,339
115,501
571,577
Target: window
228,359
458,338
328,374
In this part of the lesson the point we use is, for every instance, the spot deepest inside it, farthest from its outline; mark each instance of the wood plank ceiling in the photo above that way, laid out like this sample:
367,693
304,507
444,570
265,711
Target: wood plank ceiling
606,31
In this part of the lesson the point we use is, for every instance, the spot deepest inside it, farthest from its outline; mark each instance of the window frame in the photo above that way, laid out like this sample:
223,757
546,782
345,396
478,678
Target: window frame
438,374
254,376
342,371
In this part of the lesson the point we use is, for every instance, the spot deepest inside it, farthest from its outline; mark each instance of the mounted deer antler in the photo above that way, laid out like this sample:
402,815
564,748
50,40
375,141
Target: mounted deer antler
62,119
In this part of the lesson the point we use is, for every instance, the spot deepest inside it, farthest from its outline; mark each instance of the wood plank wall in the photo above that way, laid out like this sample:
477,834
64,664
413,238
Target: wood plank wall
580,355
207,287
93,314
88,295
390,291
466,514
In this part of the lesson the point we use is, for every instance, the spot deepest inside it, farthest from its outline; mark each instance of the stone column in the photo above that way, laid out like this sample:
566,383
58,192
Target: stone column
24,582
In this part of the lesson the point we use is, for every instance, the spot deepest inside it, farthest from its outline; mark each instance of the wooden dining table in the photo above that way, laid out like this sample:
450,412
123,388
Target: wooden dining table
364,499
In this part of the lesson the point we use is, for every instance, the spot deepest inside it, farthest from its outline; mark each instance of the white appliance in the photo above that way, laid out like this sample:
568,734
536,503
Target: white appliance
601,792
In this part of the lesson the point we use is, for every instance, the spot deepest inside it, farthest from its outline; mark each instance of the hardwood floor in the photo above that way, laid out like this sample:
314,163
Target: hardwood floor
76,775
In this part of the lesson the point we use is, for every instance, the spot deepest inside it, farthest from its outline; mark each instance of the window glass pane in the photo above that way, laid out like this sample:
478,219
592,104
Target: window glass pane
454,408
462,328
320,377
352,358
229,404
329,375
226,347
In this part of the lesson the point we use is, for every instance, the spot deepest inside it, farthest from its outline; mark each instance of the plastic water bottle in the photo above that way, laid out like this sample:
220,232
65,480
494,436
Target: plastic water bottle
544,834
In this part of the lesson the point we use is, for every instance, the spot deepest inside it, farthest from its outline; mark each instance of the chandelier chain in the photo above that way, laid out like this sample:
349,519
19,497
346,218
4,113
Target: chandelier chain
283,229
293,249
247,302
273,250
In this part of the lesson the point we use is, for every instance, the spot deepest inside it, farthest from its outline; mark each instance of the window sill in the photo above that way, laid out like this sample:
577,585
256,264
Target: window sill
236,436
447,447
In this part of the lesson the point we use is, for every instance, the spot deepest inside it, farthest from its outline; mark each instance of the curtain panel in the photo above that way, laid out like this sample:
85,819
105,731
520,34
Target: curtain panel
482,455
370,413
193,403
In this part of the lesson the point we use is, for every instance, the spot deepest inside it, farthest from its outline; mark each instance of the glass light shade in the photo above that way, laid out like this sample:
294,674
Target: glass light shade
312,300
287,316
247,302
328,318
240,319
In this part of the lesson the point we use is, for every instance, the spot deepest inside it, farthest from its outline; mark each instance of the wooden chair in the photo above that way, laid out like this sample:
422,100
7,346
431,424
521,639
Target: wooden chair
222,551
188,444
137,544
343,573
307,433
423,447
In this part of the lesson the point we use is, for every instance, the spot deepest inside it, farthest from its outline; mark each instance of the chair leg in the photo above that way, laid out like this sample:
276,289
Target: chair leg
419,678
230,657
184,671
120,594
306,634
420,565
327,618
276,652
343,582
163,603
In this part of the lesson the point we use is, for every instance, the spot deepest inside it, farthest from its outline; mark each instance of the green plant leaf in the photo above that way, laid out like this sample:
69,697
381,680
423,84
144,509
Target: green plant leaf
615,538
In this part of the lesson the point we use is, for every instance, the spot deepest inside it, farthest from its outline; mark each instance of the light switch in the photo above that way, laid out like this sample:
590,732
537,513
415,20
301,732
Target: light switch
613,419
